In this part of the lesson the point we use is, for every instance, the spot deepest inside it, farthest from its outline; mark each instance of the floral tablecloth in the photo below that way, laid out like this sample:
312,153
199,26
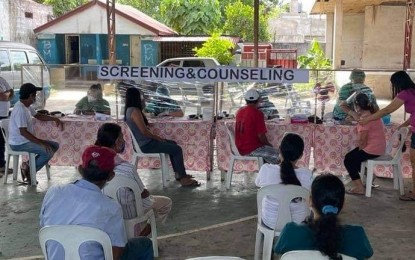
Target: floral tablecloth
79,132
275,133
332,143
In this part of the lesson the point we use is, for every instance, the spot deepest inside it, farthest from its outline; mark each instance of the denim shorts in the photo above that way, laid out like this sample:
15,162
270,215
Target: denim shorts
413,141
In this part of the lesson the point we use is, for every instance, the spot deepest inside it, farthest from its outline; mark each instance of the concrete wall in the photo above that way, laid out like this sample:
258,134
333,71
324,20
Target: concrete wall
352,40
94,21
15,26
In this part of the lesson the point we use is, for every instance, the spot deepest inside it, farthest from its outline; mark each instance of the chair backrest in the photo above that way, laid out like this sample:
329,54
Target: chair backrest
283,194
5,131
118,182
398,136
136,147
309,255
231,135
72,236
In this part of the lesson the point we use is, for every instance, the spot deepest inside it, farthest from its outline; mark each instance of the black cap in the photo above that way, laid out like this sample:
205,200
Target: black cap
27,89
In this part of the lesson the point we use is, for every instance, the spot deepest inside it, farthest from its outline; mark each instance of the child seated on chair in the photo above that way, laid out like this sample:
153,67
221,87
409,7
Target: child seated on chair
110,135
372,143
291,150
323,232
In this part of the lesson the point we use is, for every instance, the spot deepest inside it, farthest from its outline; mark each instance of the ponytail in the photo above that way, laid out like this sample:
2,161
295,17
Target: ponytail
292,147
328,235
288,174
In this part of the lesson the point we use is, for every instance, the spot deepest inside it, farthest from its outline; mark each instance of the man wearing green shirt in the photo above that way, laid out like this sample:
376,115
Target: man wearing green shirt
162,105
93,102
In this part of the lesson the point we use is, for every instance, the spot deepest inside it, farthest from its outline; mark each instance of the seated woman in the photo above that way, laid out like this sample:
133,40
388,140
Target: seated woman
151,143
323,232
291,148
163,105
372,143
110,135
93,102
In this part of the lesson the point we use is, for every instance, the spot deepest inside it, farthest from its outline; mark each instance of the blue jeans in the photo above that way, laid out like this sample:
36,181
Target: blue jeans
138,248
42,156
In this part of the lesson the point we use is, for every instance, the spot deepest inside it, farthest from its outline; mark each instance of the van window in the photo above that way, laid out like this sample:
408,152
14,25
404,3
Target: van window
34,58
4,61
175,63
18,58
193,63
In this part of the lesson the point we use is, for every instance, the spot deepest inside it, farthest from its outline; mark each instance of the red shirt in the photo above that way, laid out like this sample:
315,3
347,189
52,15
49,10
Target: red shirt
249,124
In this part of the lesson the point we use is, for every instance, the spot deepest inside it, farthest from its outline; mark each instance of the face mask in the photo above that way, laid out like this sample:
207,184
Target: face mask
91,99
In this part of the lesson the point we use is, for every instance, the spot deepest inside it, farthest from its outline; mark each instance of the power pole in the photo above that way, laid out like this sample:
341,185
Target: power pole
408,34
111,30
256,30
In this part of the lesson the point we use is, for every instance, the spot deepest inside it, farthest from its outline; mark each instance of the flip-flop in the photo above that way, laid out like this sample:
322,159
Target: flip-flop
406,198
353,192
186,176
192,184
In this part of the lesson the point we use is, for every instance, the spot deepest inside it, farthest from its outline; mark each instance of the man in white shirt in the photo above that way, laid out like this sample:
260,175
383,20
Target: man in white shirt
21,133
6,94
83,203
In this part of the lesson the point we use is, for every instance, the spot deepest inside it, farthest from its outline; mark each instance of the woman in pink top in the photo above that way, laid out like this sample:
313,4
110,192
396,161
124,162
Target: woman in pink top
403,91
372,143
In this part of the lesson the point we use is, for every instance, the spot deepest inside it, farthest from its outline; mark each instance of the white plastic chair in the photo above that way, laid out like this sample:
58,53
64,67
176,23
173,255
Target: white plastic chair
71,237
215,258
284,194
387,159
309,255
237,156
10,152
161,156
111,189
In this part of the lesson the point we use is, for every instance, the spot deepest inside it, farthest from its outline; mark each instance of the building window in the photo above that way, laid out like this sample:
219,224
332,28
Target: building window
28,15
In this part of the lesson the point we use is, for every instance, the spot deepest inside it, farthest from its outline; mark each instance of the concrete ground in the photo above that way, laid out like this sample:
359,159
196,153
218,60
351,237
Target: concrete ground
208,220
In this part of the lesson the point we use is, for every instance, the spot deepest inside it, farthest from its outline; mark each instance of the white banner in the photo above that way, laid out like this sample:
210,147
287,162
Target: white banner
218,74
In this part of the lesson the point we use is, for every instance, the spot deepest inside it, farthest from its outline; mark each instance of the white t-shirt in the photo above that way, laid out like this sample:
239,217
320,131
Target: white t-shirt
271,174
4,105
20,117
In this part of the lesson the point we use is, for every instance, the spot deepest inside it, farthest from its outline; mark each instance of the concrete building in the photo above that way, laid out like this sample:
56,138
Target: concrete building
366,34
20,17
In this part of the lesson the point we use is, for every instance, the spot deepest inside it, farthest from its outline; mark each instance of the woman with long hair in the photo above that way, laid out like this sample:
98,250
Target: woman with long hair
372,143
152,143
110,135
291,150
403,93
322,231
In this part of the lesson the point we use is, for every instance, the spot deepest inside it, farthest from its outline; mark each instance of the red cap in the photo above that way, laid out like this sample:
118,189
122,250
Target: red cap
103,156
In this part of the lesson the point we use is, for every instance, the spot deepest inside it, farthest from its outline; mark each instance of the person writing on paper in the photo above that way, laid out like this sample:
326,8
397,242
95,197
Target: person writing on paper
372,143
110,135
291,149
403,92
152,143
322,231
162,105
343,110
93,102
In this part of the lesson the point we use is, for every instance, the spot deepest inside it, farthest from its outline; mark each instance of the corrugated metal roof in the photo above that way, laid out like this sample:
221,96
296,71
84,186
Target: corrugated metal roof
235,40
350,6
125,11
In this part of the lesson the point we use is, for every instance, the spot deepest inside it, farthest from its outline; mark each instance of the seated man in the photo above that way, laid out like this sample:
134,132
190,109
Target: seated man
83,203
93,102
163,105
267,107
344,110
250,130
21,133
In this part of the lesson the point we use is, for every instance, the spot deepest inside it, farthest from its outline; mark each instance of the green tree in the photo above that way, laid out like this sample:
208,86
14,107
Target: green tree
240,21
315,58
61,7
218,48
191,17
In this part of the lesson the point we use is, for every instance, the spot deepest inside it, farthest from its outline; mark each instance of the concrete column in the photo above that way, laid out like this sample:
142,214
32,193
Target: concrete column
329,35
337,37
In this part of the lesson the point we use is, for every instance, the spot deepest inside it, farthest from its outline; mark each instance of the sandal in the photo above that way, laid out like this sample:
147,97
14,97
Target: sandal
354,191
187,182
189,176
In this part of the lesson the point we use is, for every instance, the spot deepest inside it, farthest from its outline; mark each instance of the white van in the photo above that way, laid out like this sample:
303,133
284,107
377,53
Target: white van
12,56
